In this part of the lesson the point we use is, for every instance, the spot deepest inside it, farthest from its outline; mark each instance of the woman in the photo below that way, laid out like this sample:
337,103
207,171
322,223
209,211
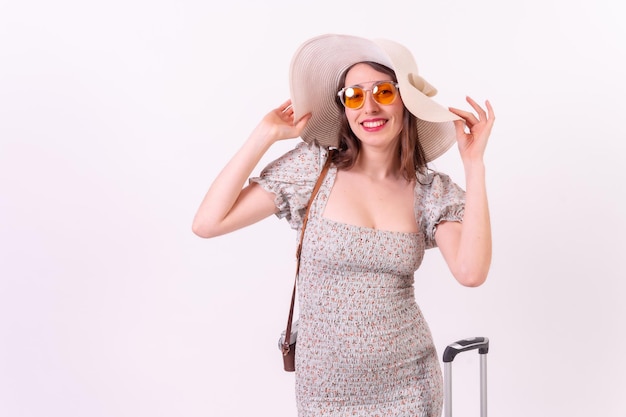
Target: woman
364,348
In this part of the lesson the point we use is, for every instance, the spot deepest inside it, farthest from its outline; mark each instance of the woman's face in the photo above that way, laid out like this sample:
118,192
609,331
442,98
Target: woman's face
373,123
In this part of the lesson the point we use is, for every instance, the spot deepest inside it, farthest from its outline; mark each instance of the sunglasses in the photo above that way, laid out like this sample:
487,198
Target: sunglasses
383,92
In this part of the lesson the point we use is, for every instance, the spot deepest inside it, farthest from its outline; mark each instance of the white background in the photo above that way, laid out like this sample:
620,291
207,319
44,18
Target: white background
115,116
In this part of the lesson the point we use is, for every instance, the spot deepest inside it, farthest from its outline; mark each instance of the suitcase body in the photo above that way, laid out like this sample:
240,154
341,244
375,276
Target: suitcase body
475,343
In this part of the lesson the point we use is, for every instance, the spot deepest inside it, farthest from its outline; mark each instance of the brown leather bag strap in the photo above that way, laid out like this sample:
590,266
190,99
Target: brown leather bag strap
316,188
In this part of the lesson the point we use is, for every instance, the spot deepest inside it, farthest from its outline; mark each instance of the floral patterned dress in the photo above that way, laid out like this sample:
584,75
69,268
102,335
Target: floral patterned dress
364,348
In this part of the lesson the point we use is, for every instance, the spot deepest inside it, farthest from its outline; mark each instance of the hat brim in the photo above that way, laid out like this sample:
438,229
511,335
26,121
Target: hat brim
319,63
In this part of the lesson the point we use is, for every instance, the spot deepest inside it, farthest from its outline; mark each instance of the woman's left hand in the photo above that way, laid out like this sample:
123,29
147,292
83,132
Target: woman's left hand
473,140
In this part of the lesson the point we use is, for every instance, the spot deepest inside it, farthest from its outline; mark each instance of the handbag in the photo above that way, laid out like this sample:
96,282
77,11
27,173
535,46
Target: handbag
287,345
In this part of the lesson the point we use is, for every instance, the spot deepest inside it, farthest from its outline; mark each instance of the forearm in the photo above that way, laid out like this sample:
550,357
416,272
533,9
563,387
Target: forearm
473,257
467,246
227,186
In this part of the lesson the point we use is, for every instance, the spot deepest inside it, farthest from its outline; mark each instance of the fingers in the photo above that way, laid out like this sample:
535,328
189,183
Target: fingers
286,108
481,112
303,121
285,105
287,113
459,126
470,118
492,116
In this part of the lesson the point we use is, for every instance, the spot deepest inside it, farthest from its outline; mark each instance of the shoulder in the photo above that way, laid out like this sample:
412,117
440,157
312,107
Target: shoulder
434,181
437,189
303,161
307,154
437,199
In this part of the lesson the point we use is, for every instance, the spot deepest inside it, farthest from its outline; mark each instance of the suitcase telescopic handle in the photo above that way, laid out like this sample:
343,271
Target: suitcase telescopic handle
453,349
472,343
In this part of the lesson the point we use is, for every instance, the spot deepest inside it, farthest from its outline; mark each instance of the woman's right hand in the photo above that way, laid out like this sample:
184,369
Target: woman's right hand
229,204
279,123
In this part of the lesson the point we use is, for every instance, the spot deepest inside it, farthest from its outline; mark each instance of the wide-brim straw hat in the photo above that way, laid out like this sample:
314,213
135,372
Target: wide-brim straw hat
319,63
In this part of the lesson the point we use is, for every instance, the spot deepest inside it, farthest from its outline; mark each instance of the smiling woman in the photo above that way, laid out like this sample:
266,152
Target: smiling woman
115,116
364,347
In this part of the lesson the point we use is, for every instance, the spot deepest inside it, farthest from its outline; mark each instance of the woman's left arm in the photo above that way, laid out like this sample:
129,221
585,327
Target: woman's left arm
466,246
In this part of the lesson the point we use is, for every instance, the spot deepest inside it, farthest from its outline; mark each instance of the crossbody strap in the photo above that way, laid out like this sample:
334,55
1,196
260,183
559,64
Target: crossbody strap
316,188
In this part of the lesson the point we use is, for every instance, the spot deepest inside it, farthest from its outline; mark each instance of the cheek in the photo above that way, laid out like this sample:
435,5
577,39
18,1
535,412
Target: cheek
352,116
399,114
398,108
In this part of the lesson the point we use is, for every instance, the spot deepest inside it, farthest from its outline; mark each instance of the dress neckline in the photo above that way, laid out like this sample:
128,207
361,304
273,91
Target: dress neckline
319,206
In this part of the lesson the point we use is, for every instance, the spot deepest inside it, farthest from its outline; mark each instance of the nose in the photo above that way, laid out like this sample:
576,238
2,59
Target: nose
370,105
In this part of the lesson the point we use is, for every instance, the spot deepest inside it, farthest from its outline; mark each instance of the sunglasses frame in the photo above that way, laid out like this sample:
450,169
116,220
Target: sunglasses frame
341,93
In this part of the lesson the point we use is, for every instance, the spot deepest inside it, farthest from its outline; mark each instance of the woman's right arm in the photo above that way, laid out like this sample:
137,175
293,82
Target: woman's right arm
228,205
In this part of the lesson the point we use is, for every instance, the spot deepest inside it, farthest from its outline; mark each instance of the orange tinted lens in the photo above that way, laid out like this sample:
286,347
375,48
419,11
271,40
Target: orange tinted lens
353,97
384,93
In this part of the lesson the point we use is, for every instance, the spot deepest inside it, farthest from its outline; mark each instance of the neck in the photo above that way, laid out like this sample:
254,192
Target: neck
378,164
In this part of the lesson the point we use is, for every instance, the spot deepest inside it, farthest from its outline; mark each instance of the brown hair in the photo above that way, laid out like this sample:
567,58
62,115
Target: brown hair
410,152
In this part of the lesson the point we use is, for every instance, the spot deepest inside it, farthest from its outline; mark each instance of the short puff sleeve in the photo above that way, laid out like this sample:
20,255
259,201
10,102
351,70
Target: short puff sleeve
438,199
291,179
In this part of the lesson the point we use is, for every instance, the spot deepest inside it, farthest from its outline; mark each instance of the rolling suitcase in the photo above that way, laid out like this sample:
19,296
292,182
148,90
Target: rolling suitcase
480,343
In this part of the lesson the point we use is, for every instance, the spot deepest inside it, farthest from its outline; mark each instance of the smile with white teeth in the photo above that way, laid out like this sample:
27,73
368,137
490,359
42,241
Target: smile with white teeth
376,123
